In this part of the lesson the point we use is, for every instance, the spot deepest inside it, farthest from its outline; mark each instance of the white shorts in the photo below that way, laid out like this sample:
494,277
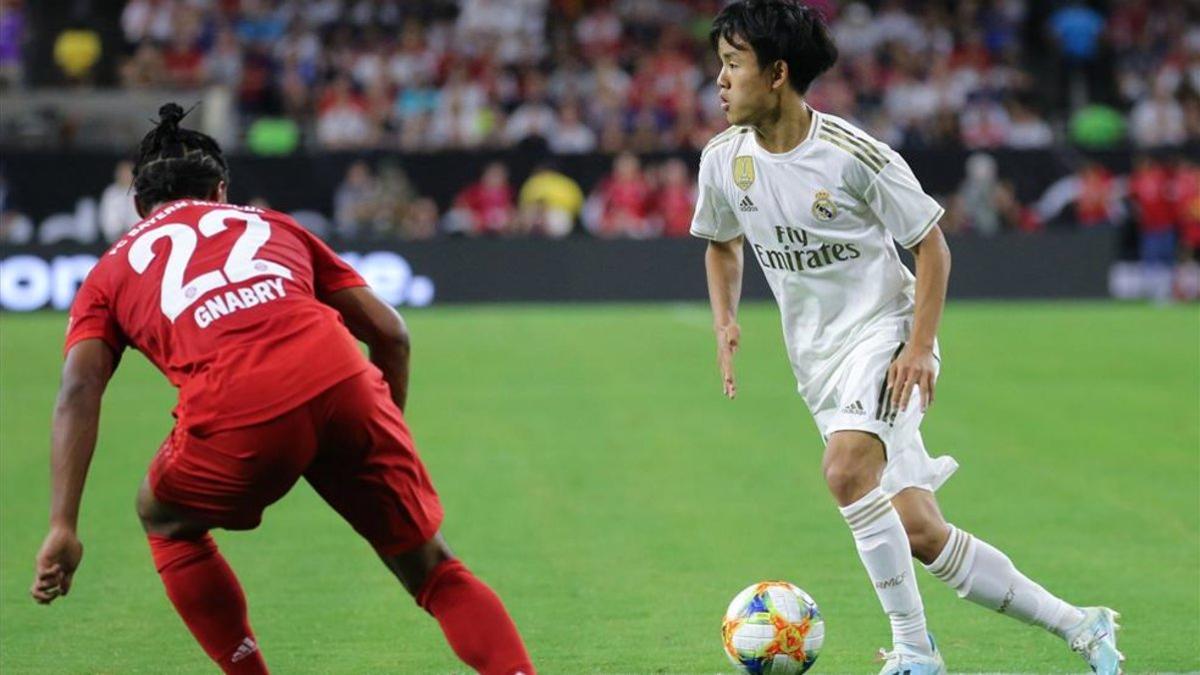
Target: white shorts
851,397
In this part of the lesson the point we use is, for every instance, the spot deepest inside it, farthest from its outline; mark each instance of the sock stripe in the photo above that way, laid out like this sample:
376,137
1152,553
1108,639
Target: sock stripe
960,555
953,546
868,514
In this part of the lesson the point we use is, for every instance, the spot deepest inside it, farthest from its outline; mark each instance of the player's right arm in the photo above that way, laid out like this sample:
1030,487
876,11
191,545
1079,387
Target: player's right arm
89,366
381,328
723,266
714,220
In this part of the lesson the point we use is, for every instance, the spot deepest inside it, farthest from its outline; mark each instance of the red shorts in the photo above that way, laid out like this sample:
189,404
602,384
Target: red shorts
350,443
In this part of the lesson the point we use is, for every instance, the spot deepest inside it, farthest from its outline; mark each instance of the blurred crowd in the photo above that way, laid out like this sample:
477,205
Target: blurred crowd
616,75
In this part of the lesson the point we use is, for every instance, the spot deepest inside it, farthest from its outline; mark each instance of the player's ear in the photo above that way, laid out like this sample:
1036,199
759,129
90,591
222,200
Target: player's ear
779,74
220,193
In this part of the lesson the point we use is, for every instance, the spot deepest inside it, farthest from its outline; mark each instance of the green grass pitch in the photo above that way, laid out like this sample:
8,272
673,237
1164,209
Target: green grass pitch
593,474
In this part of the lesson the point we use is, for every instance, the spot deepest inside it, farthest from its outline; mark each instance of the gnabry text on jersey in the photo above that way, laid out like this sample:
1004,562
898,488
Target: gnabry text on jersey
228,302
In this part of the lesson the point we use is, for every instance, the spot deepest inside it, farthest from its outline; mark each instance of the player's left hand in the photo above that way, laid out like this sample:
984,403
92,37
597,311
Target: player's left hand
56,563
915,366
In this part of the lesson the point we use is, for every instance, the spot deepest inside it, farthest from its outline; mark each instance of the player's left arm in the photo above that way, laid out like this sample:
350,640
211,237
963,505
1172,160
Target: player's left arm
916,365
89,366
911,216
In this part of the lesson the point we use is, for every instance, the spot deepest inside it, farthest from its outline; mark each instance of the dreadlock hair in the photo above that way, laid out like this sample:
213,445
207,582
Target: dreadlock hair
174,163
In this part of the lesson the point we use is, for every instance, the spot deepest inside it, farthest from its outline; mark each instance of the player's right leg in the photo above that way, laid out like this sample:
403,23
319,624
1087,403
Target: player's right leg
368,470
853,464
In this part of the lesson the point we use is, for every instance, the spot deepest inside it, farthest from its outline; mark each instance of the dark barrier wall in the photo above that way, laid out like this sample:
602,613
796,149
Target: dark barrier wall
1051,265
44,183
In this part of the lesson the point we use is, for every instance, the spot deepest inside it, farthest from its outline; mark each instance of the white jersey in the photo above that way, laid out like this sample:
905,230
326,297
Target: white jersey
821,220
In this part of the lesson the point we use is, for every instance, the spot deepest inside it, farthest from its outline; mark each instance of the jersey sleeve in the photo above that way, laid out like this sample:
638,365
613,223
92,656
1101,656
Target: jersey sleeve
92,317
897,200
330,272
714,219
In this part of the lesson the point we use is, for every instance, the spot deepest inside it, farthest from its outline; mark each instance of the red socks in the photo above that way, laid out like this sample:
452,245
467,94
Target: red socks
207,595
474,620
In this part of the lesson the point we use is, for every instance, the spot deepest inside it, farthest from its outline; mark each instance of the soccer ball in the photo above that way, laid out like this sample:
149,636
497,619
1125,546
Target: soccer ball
773,628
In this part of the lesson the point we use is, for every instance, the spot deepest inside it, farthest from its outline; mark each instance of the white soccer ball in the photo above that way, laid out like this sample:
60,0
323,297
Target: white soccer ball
773,628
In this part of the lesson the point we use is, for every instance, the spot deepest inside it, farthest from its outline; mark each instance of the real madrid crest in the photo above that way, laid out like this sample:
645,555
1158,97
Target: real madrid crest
823,207
743,172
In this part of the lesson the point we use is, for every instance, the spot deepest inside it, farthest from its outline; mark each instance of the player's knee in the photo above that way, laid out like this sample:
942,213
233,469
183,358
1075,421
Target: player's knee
848,469
413,568
159,520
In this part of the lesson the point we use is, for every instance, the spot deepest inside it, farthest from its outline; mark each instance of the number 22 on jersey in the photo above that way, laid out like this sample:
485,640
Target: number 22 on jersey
240,265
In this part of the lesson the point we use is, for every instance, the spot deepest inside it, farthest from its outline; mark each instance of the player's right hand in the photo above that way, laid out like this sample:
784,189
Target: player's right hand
728,339
56,563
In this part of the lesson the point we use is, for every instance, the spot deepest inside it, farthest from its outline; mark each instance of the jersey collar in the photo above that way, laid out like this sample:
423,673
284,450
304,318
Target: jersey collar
800,147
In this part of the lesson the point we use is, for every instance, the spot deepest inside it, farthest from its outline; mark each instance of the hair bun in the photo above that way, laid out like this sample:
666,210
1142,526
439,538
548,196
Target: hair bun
170,115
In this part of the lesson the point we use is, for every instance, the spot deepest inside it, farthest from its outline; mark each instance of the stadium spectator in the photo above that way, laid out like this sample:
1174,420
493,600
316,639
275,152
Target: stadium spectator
421,221
549,202
674,200
1158,120
535,116
1026,131
570,134
618,206
354,201
117,211
980,196
15,227
1185,196
485,207
342,120
12,43
1154,214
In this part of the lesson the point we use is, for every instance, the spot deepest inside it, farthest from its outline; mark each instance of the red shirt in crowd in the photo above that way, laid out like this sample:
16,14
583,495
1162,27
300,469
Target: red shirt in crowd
491,206
1094,205
225,300
1149,187
675,204
625,205
1185,195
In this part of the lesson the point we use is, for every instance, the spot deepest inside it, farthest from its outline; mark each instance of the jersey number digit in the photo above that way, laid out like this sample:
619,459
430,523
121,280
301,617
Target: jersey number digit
241,264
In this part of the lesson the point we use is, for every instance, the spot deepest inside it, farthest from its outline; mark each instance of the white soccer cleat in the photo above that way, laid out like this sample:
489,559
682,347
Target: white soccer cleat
902,661
1095,639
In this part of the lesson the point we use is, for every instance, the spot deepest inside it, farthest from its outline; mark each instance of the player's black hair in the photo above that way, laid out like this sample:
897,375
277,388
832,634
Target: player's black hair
779,30
173,163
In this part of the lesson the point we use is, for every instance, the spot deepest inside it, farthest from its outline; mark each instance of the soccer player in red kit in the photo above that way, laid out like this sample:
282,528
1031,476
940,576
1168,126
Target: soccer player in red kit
254,320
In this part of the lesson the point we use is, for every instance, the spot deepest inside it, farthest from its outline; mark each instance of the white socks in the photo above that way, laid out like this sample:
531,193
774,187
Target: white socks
883,547
985,576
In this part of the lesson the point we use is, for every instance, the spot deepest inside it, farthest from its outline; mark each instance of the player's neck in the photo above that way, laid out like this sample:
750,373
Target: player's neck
785,127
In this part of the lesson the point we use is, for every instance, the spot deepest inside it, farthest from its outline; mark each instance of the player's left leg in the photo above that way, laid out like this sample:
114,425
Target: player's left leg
473,618
982,574
200,584
369,472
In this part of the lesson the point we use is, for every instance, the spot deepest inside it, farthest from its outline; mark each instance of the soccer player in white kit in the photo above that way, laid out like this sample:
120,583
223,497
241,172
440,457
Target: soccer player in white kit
822,205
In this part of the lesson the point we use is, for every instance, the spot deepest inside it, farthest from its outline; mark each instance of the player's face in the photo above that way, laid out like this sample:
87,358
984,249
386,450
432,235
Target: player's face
744,88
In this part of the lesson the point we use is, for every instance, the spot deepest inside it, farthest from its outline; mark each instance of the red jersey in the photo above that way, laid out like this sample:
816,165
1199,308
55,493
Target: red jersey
225,300
1185,193
1149,188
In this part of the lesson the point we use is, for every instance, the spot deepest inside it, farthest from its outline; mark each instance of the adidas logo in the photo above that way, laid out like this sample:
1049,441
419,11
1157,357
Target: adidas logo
245,649
746,205
855,408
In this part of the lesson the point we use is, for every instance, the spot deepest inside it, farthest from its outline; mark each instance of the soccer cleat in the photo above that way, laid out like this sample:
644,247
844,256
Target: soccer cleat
902,661
1095,639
